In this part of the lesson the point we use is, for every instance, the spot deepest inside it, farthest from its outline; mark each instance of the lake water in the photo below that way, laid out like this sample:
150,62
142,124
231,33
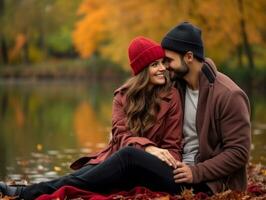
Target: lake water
45,126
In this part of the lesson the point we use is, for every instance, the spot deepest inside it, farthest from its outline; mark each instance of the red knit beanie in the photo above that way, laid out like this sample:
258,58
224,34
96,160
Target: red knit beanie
143,51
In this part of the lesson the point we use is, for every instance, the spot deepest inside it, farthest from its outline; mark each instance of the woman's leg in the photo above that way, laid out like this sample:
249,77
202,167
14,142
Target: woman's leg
35,190
149,171
49,186
123,170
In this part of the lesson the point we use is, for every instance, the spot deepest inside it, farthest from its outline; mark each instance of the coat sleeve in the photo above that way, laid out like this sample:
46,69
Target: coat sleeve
235,132
121,136
172,137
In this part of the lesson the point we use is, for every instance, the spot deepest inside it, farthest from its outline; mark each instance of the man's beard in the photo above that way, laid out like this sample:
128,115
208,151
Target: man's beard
179,73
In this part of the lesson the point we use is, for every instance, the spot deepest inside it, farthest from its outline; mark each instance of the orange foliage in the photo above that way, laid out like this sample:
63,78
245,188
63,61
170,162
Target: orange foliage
20,42
90,29
221,25
108,26
128,20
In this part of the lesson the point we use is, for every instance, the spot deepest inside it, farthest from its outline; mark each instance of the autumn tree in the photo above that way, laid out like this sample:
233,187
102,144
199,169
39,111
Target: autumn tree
45,25
91,29
108,27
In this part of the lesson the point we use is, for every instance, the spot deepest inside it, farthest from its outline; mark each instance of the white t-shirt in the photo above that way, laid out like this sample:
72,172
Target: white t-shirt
191,141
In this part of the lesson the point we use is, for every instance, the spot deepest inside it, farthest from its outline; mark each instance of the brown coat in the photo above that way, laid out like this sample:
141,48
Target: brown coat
224,131
166,133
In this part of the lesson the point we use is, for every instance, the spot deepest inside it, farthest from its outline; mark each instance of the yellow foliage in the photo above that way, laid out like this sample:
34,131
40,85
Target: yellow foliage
221,25
36,54
108,26
90,29
129,20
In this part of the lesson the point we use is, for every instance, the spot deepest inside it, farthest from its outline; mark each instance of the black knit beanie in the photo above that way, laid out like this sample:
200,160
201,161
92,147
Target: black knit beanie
183,38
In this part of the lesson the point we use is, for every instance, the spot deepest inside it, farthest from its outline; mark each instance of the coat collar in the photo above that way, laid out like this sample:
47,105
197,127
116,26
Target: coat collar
208,71
207,74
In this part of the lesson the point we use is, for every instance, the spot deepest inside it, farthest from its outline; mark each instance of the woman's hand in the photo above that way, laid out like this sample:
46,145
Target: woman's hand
162,154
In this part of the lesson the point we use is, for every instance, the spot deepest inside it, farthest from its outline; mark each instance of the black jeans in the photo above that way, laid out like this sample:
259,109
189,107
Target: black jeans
125,169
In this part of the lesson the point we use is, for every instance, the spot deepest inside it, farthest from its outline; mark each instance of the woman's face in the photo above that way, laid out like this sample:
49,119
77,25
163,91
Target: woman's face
156,71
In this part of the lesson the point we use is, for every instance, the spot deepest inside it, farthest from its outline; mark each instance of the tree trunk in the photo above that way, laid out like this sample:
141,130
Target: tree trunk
239,56
248,51
3,46
2,6
25,55
246,44
3,50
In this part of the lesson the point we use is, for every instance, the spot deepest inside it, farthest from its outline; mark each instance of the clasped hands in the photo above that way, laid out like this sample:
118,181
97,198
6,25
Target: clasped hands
182,172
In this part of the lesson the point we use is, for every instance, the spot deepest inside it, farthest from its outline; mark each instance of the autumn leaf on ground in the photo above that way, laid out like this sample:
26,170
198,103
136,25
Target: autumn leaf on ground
228,195
6,197
163,198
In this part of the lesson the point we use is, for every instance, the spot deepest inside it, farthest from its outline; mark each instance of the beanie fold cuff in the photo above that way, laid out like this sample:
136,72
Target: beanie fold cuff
146,57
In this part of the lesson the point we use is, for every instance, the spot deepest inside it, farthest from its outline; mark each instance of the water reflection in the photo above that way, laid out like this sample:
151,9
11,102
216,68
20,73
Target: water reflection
51,119
45,126
87,128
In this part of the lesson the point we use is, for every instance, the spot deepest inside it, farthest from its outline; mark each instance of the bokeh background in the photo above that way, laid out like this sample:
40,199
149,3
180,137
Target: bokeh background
61,60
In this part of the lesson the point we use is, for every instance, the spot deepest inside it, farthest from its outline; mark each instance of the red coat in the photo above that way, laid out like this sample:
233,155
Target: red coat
166,133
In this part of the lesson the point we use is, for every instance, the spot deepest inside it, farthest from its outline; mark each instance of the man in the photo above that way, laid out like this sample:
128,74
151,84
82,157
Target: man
216,129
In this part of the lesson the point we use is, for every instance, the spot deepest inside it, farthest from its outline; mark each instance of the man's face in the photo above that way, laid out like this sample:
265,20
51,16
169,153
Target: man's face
177,66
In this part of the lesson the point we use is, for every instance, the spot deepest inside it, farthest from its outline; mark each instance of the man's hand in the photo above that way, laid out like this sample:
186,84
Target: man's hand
162,154
183,173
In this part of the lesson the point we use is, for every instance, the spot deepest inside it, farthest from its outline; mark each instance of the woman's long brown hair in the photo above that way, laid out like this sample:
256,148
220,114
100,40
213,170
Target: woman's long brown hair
143,102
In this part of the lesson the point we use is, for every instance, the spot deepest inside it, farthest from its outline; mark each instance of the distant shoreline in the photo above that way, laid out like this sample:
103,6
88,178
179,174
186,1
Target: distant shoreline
61,81
67,69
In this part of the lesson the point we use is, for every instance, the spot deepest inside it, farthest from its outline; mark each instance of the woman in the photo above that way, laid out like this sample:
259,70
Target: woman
146,117
136,119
